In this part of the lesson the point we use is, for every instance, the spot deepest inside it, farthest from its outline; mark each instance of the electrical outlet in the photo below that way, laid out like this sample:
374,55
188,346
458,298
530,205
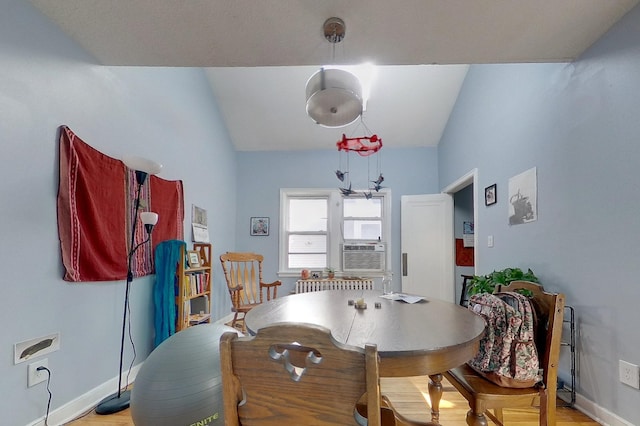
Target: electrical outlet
36,376
629,374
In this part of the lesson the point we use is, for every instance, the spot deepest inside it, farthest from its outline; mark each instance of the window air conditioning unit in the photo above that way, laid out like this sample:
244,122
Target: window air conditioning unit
363,257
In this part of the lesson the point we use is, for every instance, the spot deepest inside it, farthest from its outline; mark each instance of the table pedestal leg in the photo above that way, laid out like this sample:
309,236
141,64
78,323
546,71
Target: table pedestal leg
435,395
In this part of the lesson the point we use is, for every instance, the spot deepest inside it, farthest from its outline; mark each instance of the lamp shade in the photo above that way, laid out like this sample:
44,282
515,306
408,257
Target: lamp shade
334,97
142,164
149,218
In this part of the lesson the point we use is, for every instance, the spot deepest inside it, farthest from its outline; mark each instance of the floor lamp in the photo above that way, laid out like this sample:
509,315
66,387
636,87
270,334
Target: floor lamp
120,400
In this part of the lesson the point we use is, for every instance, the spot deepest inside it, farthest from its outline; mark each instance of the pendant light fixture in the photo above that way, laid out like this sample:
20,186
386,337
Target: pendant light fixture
334,96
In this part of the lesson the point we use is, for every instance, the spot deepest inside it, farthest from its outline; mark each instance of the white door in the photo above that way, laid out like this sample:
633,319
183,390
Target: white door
426,232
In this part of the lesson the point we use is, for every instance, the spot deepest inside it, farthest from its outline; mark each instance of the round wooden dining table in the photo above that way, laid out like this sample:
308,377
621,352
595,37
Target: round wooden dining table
428,337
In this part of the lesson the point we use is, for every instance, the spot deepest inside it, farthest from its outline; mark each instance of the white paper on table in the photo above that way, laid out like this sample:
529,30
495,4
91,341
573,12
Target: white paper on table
403,297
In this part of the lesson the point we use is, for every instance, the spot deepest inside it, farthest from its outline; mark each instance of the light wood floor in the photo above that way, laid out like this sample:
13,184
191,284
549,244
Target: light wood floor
410,397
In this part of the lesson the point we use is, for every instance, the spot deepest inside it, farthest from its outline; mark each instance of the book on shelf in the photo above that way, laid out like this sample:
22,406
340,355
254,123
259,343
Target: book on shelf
186,310
198,283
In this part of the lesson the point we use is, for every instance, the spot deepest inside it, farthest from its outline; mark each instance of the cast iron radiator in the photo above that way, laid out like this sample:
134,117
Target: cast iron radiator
305,286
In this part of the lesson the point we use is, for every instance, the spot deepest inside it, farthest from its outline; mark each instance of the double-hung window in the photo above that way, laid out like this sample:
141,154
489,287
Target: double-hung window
315,223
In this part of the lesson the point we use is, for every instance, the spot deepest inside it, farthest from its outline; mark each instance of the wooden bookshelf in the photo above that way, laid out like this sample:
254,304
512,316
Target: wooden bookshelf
193,295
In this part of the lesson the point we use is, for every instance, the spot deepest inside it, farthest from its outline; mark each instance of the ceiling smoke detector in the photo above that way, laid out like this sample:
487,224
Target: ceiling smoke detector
334,96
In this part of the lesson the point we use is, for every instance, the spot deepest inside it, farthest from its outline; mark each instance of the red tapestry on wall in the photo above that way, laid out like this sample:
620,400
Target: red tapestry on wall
96,197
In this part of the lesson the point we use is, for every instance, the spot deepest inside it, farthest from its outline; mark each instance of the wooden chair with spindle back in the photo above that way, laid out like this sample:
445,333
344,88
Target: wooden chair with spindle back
243,273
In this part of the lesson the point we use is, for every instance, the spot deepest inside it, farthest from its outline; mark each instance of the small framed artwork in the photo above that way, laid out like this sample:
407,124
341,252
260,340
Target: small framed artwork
259,226
193,258
490,196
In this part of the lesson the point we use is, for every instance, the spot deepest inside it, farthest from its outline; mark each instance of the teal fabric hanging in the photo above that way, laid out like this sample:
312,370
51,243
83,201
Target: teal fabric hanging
166,258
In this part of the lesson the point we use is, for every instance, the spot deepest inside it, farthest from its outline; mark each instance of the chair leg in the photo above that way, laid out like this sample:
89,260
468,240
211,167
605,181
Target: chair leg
235,320
474,419
239,321
544,409
498,413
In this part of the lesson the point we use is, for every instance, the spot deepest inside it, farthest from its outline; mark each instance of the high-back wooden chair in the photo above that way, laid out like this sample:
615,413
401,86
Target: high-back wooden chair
243,273
484,395
297,374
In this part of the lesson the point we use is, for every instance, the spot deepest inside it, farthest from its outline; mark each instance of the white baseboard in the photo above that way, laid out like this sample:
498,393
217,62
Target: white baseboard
86,402
599,414
89,400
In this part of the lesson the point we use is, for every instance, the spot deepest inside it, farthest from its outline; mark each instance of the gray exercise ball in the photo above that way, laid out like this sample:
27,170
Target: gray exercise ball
180,383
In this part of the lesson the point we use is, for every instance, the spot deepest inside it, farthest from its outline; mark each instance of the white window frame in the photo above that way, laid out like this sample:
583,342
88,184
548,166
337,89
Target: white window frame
334,226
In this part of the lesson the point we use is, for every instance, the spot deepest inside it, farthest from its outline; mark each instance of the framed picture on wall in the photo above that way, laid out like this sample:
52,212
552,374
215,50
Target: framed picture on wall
259,226
490,196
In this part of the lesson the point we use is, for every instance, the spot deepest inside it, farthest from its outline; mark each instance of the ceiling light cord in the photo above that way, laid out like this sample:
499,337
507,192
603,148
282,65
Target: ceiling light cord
367,132
333,51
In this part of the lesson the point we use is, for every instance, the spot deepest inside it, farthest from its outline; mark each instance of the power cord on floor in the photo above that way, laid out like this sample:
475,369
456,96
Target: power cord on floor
133,348
46,419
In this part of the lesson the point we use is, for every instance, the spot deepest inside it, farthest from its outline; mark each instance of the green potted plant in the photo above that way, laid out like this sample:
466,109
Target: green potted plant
331,273
487,283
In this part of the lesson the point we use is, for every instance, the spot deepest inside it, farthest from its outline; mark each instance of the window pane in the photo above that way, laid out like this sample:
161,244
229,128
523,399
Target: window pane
308,261
307,215
361,207
315,222
362,229
308,244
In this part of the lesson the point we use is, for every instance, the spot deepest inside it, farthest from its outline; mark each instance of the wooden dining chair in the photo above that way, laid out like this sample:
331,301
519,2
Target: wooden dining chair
297,374
484,395
243,273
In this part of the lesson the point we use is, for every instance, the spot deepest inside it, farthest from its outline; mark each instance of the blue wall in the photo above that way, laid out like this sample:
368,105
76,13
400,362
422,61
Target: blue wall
408,171
578,124
168,115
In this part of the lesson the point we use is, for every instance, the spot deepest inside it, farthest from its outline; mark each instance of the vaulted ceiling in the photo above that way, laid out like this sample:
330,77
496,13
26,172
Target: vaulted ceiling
258,55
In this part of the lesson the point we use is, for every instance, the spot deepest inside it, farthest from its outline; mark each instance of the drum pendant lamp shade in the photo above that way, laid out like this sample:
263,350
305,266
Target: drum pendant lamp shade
334,97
